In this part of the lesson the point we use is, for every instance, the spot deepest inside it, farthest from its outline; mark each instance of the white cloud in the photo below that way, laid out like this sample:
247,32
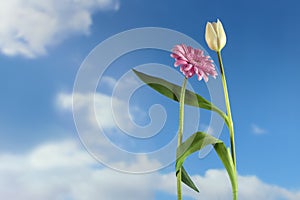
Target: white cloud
109,82
64,170
96,126
258,130
105,110
28,27
113,110
215,185
101,112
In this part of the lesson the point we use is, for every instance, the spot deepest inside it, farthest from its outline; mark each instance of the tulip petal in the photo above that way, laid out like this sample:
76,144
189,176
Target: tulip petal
215,26
211,37
221,35
215,35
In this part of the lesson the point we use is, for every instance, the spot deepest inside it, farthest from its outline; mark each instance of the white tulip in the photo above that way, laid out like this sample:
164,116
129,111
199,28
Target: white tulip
215,36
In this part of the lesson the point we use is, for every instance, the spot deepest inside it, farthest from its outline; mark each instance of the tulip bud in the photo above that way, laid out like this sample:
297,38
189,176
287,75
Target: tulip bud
215,36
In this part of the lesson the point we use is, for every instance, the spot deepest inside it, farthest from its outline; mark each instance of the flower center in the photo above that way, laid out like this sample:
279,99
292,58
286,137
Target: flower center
194,60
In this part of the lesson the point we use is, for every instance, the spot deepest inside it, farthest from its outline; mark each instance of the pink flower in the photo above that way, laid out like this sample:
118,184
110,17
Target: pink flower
193,61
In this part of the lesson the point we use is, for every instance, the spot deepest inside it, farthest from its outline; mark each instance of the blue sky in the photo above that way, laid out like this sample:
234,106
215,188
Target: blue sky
43,45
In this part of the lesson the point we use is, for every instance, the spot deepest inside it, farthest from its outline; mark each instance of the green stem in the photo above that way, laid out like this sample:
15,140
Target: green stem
231,129
180,133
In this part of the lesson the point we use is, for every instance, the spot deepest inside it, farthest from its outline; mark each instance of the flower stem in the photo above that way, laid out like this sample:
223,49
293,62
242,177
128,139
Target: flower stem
180,133
231,128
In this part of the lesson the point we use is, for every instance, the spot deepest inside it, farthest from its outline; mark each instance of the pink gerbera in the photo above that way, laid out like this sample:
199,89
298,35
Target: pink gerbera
193,61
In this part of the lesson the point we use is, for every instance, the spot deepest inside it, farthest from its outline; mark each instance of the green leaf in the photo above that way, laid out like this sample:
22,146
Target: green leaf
194,143
198,141
173,91
185,178
226,158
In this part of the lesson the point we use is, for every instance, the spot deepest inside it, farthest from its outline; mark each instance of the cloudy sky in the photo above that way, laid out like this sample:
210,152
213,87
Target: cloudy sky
118,139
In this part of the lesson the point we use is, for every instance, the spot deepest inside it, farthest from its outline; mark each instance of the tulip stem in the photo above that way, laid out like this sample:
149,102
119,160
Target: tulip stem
180,133
231,128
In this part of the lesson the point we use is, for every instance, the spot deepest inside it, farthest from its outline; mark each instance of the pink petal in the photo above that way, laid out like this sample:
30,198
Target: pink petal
193,61
180,62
